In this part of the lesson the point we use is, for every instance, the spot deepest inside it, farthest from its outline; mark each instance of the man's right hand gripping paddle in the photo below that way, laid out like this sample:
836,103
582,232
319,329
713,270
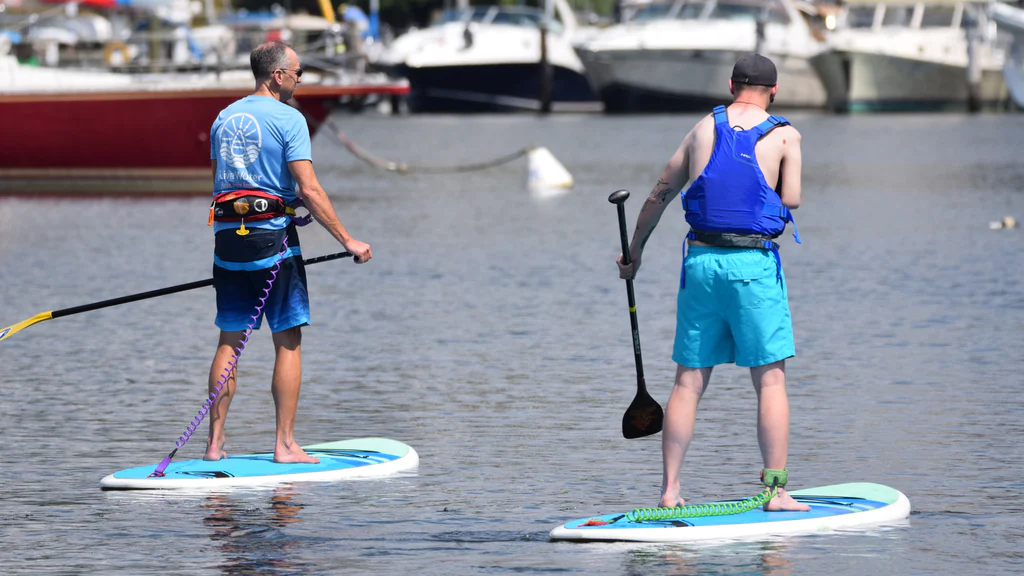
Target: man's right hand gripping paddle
644,415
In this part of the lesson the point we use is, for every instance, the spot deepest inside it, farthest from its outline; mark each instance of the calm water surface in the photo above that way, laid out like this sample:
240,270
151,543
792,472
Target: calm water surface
490,332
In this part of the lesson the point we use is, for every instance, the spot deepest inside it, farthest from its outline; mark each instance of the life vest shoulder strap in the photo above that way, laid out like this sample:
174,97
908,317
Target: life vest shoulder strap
770,124
721,117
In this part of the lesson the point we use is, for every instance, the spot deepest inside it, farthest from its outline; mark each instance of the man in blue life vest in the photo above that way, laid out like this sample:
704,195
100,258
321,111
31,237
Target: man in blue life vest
744,166
262,168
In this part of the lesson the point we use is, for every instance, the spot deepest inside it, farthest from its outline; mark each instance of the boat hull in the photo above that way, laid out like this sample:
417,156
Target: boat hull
858,81
650,80
494,88
1013,73
127,141
1011,21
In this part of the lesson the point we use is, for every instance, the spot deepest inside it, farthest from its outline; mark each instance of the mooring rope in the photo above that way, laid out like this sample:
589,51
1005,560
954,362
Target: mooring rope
403,168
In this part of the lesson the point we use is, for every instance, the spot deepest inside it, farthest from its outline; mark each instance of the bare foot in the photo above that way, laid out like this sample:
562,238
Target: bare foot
671,500
215,451
293,454
784,502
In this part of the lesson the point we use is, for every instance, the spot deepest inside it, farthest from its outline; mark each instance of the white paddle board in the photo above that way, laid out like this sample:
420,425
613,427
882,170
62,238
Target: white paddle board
357,458
832,507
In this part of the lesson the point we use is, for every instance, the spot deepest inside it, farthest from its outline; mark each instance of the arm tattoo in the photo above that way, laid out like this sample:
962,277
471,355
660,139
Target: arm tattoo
646,238
658,196
660,192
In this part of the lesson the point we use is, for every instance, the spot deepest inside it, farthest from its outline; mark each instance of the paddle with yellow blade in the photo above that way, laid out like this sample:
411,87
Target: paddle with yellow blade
43,316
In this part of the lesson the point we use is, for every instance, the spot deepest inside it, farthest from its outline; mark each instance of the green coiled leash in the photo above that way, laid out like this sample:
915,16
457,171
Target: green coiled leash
772,479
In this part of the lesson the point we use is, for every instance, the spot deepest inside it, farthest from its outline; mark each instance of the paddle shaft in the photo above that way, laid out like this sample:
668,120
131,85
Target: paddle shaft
171,290
640,383
136,297
131,298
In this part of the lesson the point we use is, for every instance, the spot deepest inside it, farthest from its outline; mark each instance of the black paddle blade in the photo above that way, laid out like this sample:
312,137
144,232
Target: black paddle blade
643,417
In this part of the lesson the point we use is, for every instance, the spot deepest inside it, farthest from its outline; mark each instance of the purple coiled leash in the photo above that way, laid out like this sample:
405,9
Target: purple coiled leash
223,380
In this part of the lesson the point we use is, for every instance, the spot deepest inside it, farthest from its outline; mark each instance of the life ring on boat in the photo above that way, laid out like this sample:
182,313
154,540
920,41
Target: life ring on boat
116,54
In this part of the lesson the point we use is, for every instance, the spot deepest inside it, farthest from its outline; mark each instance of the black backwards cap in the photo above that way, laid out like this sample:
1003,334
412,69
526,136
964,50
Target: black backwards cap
755,70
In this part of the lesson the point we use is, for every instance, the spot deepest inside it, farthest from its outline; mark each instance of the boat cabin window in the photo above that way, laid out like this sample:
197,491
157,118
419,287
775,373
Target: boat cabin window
860,17
896,15
938,16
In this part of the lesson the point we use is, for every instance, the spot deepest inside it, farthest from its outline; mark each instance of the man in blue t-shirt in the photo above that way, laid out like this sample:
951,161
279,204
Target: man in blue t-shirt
262,164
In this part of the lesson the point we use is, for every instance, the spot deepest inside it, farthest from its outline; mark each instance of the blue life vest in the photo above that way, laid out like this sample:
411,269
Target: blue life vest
730,204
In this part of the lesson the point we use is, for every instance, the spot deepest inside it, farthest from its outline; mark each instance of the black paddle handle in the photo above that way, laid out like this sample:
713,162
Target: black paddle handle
171,290
619,199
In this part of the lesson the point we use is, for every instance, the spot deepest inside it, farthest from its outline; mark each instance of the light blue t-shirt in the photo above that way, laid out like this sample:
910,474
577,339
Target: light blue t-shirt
253,140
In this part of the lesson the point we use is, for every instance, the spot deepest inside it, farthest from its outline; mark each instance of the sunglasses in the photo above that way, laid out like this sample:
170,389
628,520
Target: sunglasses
298,71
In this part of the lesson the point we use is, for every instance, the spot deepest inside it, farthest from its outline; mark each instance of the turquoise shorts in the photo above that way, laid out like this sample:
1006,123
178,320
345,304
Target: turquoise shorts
733,308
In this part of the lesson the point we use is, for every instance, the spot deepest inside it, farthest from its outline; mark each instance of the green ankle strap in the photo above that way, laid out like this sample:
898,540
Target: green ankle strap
774,478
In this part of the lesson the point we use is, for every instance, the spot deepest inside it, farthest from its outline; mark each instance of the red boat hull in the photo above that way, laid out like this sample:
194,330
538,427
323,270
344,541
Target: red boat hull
130,141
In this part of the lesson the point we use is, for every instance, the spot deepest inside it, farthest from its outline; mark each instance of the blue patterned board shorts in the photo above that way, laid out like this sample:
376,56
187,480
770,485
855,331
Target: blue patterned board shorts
241,268
734,308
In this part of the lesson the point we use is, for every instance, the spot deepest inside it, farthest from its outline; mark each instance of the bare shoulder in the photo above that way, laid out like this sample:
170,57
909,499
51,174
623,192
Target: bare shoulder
783,138
705,123
788,134
702,130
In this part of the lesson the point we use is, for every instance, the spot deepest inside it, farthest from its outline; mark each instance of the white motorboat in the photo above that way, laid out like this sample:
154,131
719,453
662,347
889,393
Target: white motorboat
487,58
925,55
1011,20
679,56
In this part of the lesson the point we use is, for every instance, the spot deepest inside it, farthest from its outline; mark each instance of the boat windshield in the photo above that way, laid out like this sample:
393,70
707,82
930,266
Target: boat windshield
650,12
770,10
508,15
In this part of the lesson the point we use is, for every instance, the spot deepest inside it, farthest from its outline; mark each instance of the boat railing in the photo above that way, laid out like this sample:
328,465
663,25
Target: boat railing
183,49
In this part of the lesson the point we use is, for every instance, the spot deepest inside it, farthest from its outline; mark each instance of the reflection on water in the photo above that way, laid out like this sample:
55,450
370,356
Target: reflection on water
253,539
767,558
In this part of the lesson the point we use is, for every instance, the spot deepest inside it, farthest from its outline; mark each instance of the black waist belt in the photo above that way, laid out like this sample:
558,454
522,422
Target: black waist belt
728,240
236,207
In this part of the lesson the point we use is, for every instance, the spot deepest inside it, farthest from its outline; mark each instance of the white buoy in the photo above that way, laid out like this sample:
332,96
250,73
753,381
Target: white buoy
545,172
1006,222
